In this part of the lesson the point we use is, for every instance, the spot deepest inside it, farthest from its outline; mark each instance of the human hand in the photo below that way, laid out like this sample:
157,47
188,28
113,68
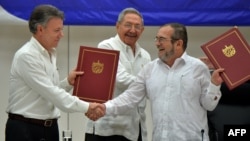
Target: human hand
72,76
216,78
95,111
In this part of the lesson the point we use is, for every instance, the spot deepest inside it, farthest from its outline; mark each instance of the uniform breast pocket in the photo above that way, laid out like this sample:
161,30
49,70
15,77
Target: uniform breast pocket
127,66
189,87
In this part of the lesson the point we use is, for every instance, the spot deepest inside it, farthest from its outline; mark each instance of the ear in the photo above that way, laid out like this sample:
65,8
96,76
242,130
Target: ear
179,43
117,25
39,28
142,29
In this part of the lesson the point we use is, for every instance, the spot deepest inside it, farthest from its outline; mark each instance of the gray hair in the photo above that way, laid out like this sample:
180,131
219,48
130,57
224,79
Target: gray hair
129,10
41,15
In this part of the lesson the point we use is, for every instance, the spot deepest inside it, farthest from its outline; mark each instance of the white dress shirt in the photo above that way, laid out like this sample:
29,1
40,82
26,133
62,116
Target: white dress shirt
180,97
35,89
127,124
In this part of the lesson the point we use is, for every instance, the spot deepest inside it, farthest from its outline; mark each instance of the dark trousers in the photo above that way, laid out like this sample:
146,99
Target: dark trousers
93,137
17,130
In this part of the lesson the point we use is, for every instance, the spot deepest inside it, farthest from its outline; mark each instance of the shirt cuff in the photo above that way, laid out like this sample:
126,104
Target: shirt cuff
83,105
108,106
215,90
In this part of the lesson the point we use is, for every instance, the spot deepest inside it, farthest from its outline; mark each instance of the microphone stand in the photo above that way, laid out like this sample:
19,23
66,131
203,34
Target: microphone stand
202,134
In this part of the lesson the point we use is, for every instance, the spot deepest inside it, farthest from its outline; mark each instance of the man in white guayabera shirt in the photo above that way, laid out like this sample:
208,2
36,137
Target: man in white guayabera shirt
36,94
179,87
130,126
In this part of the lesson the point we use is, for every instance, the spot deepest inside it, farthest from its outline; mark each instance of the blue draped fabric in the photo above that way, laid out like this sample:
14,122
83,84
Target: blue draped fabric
155,12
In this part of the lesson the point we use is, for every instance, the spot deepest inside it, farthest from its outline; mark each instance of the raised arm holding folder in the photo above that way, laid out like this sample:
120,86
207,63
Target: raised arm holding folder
99,67
230,51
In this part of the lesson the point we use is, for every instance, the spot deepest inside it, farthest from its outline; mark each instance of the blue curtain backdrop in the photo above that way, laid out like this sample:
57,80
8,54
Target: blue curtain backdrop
155,12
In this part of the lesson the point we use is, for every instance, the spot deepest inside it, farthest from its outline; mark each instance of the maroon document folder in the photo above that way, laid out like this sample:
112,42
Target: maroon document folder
230,51
100,67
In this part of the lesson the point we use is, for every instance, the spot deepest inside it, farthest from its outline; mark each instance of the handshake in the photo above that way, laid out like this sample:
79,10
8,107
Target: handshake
96,111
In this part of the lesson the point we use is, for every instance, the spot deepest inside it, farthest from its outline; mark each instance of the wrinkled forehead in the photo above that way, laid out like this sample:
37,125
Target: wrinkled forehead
166,31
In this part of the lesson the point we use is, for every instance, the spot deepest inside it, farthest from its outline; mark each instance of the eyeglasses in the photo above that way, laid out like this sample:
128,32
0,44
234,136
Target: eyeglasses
161,39
130,26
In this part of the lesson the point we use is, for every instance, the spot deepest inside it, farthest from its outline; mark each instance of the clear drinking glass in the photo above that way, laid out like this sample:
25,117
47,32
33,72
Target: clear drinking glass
67,135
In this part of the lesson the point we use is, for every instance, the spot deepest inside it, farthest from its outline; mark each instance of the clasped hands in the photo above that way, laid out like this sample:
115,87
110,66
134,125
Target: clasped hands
96,111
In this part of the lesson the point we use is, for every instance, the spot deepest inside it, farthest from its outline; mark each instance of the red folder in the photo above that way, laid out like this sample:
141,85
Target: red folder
230,51
100,67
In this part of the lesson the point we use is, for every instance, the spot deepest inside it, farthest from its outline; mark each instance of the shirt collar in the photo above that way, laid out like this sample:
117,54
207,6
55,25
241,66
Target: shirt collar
126,47
184,57
38,46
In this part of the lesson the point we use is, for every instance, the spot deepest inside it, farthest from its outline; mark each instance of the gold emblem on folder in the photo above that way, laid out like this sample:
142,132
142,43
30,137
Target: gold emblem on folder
229,51
97,67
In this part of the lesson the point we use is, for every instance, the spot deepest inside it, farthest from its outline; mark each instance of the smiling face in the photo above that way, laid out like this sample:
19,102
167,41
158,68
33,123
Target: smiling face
130,29
50,34
168,48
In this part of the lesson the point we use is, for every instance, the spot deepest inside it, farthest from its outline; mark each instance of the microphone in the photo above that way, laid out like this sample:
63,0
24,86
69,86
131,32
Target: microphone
202,134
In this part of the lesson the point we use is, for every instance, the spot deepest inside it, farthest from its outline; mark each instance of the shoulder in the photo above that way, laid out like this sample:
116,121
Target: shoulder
145,53
25,51
195,61
152,64
111,43
106,41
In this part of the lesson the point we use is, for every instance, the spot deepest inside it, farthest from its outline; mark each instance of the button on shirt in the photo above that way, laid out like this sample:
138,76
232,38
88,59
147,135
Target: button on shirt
127,124
180,97
35,89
